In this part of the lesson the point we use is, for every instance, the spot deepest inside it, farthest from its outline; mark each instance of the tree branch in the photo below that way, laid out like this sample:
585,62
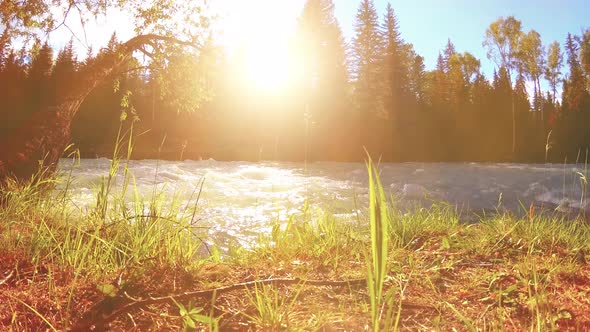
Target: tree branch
72,4
146,53
104,318
63,22
132,69
148,39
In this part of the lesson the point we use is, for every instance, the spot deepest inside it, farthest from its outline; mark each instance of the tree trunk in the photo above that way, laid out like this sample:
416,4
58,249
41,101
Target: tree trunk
513,127
542,105
37,145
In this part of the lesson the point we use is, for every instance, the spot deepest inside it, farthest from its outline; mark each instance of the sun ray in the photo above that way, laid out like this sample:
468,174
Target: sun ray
257,34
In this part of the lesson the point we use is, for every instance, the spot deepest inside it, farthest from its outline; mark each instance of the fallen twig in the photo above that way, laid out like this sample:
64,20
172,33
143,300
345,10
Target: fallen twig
3,281
92,321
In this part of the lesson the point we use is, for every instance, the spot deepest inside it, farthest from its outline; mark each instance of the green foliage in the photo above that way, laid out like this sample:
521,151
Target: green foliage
273,308
37,18
379,219
553,69
502,40
191,315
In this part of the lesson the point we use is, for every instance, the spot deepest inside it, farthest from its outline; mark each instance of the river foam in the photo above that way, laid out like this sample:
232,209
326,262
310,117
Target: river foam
243,198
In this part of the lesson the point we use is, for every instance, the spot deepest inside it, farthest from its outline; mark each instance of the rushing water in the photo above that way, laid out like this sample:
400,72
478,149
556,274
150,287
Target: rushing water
241,199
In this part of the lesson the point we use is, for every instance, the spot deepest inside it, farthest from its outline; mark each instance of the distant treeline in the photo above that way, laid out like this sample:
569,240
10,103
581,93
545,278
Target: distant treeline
372,93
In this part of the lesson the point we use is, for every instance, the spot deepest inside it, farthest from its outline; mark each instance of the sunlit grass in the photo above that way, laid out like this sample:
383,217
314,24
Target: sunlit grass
424,268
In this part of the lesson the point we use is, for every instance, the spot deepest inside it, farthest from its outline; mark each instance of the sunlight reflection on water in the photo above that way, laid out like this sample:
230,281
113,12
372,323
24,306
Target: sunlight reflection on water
241,199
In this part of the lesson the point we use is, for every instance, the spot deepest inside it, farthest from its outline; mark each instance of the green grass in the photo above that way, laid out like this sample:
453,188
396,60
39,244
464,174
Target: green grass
425,270
379,221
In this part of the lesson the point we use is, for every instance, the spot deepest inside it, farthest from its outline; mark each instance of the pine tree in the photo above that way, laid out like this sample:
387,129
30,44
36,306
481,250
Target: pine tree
322,79
395,75
113,42
575,95
38,78
457,84
394,70
321,43
12,93
531,136
448,54
483,133
417,79
367,49
64,71
502,96
439,98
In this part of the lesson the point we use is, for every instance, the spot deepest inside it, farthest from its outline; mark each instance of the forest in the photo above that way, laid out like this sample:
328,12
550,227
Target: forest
372,92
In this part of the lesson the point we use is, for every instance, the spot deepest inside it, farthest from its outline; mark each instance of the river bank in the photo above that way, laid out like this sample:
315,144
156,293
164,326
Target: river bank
142,268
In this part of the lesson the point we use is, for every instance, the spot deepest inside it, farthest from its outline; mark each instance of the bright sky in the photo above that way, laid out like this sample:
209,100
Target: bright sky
427,24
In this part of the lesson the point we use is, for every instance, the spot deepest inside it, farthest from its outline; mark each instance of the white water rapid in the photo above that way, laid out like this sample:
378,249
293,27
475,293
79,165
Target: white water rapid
241,199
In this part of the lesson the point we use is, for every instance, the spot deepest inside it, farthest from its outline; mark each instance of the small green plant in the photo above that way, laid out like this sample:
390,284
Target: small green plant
192,315
272,308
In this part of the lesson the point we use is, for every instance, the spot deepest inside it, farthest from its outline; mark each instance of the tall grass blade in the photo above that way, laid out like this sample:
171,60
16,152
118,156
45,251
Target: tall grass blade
379,223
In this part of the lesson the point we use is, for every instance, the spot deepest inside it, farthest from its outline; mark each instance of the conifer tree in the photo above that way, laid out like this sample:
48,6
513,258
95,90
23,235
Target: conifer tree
575,95
439,85
417,78
395,79
64,71
113,42
448,54
530,132
367,50
457,84
12,93
502,114
323,78
394,70
38,77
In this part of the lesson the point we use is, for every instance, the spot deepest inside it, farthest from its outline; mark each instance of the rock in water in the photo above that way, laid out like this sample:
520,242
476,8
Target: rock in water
414,191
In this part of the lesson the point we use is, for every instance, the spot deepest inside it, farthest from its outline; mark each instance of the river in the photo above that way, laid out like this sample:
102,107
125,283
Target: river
242,199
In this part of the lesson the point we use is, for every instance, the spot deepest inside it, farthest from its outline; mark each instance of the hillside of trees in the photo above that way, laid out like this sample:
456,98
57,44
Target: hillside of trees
372,93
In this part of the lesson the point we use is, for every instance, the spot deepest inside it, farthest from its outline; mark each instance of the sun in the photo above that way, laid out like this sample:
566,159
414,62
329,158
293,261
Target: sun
267,66
257,33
